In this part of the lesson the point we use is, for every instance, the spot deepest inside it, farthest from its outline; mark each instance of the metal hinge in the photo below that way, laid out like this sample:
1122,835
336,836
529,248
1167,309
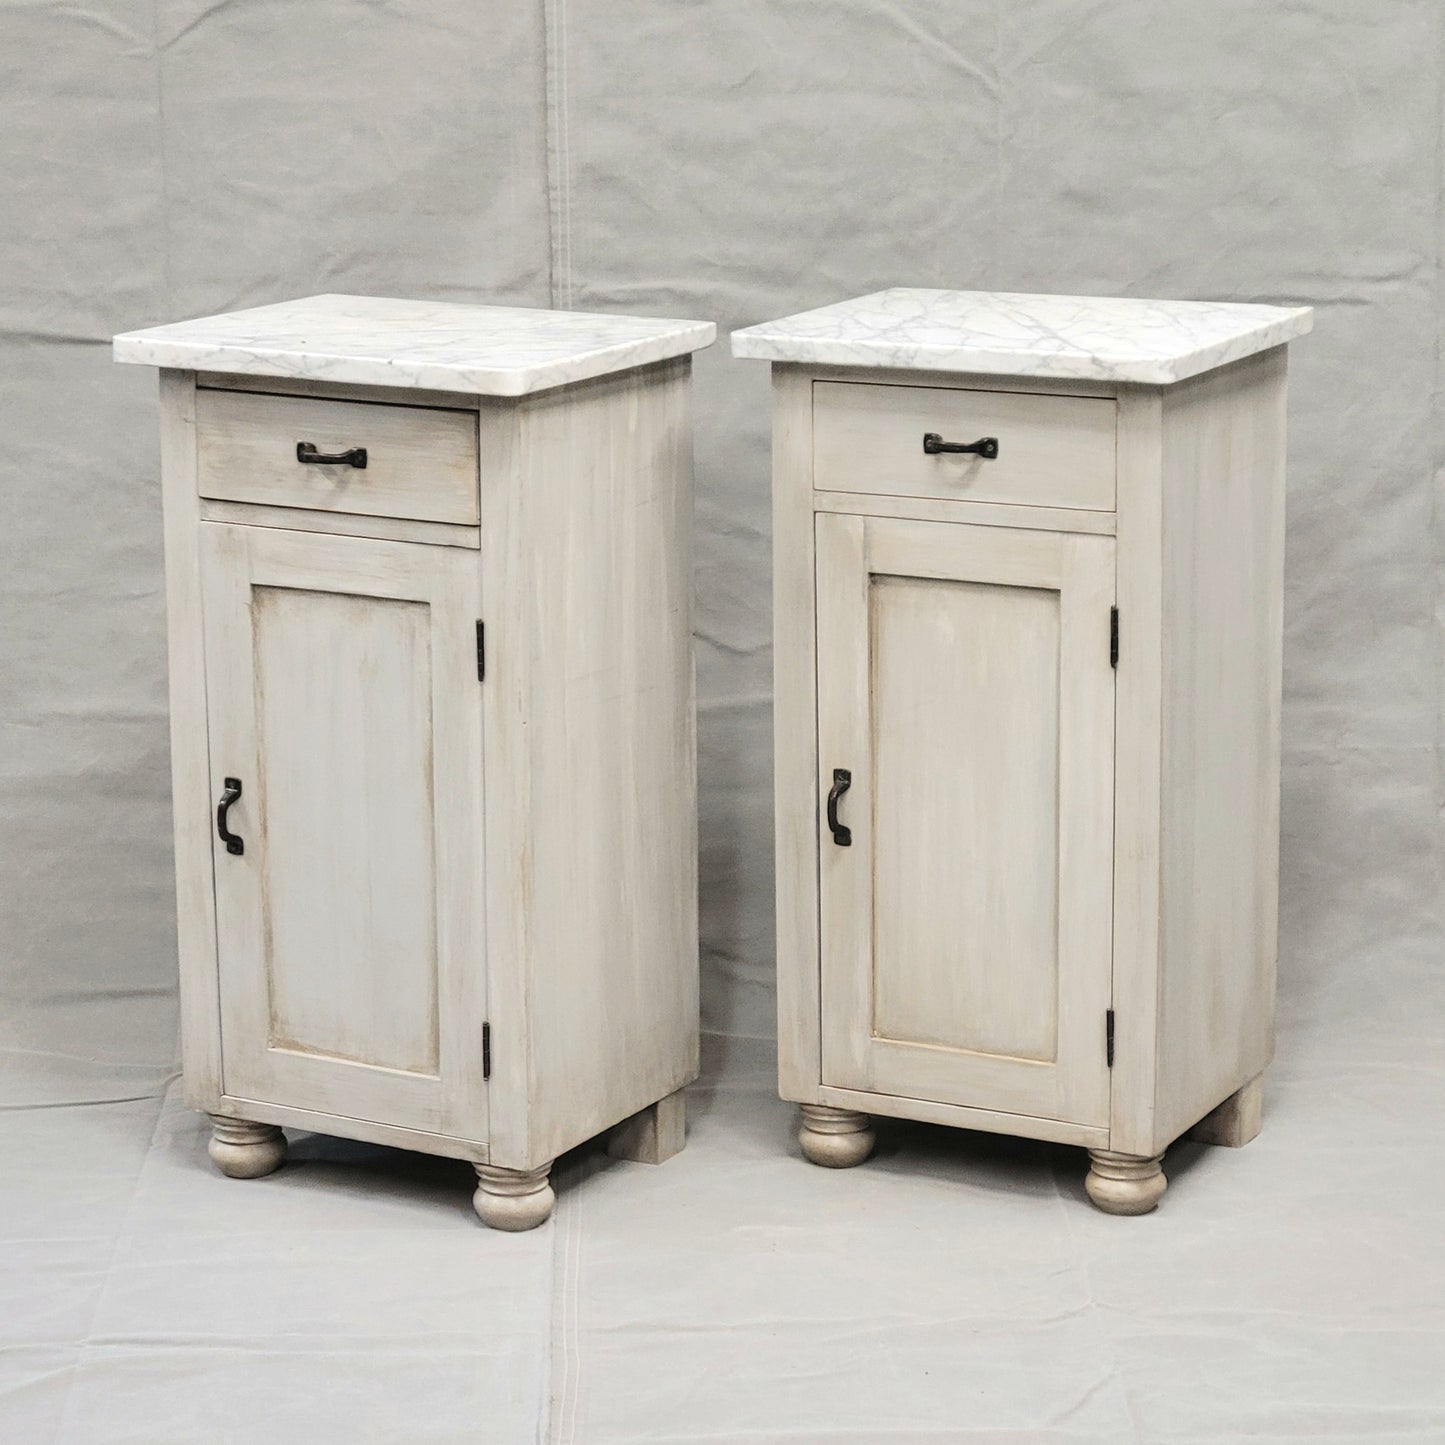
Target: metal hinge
1113,637
481,652
486,1051
1109,1038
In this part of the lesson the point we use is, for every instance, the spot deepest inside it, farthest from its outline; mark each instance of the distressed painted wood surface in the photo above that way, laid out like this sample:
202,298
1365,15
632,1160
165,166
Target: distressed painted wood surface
341,524
421,462
342,692
592,784
1237,1120
339,653
959,1116
652,1135
795,740
977,514
191,795
1137,780
1053,451
342,391
868,641
1223,593
964,681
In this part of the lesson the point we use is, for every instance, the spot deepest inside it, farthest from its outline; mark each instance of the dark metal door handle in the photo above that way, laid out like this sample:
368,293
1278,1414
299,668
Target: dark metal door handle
234,843
985,447
356,457
842,781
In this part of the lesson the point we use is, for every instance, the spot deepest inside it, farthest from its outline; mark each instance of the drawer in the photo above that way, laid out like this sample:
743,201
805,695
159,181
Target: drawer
421,462
1053,451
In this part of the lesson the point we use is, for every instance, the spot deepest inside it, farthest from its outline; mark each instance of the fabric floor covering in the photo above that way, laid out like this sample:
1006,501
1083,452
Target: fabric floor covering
956,1287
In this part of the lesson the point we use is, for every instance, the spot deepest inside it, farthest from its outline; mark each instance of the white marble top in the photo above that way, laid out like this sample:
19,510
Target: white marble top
436,345
1093,338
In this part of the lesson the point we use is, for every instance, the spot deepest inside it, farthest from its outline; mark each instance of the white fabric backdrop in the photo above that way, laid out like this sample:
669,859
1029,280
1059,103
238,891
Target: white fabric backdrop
732,162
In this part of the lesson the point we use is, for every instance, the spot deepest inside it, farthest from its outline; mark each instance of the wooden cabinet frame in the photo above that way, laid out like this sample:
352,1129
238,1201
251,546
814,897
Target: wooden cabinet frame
586,1009
1200,543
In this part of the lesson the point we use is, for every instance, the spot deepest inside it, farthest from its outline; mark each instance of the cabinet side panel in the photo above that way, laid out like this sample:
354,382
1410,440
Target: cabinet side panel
1223,444
795,740
612,986
190,761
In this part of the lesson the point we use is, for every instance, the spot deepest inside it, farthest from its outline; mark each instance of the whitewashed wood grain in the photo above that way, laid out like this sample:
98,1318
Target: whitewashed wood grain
594,895
1137,744
966,932
965,857
652,1135
959,380
341,391
191,797
958,1116
795,740
1199,531
348,1126
1236,1121
342,691
1054,451
421,462
340,653
976,514
1223,593
341,524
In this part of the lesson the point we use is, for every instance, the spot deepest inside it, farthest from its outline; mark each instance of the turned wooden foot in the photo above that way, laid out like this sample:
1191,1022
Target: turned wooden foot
513,1199
1125,1183
835,1138
1236,1121
652,1135
244,1150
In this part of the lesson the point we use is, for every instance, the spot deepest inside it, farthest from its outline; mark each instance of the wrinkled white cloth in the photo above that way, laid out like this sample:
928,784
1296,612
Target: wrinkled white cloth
957,1286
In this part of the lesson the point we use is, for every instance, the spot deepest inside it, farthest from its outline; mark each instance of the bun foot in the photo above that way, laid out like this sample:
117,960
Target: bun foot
513,1199
835,1138
1125,1183
243,1150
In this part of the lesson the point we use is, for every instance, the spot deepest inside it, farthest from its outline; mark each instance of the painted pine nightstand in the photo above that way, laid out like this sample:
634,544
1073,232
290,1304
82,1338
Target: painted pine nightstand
1027,570
428,577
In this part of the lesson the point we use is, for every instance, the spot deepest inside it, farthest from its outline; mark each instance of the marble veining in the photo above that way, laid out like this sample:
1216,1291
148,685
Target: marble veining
1093,338
438,345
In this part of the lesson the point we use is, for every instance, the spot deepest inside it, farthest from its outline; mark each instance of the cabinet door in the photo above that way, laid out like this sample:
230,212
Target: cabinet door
342,693
965,685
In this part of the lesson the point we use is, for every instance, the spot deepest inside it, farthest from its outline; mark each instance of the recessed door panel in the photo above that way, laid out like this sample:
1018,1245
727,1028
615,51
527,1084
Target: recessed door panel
965,858
342,696
349,895
965,689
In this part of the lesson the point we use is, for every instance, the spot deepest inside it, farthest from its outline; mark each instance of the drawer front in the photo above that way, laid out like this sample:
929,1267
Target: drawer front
421,462
1053,451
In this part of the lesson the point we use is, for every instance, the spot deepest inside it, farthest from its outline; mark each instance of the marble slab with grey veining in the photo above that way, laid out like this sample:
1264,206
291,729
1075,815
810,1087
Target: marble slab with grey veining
437,345
1080,338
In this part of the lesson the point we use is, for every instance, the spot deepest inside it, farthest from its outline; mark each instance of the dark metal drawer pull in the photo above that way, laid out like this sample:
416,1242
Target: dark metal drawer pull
233,841
985,447
356,457
842,781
